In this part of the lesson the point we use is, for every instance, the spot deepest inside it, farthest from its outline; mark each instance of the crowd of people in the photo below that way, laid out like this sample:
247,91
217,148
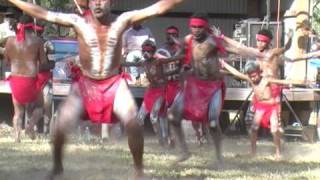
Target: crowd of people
185,77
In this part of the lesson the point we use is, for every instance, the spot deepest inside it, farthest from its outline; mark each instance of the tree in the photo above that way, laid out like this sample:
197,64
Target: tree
316,16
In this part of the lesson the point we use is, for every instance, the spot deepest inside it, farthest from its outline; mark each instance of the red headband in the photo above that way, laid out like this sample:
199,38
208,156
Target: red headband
172,31
148,48
21,30
263,38
198,22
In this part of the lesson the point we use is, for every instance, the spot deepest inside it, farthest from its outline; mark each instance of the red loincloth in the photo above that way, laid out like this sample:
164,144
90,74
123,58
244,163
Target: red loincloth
98,97
172,89
75,73
26,89
268,108
197,96
150,97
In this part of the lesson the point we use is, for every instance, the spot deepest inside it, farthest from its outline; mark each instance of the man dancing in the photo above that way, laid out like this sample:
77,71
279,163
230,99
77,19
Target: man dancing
202,97
29,74
154,97
266,102
100,89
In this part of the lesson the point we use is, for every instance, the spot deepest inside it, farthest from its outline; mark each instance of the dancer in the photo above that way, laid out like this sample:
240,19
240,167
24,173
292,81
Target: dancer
202,97
30,71
100,89
154,97
266,102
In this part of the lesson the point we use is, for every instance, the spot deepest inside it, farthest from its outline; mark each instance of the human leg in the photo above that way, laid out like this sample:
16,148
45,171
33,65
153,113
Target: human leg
197,128
17,119
276,132
142,114
35,112
157,120
318,128
68,115
215,107
126,110
254,131
174,117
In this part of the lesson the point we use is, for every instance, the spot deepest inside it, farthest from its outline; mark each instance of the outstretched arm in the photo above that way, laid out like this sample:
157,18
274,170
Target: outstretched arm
127,64
315,54
287,82
171,59
41,13
237,48
280,51
234,71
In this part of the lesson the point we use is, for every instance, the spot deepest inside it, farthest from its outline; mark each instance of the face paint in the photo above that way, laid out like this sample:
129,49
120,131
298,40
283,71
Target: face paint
198,27
100,8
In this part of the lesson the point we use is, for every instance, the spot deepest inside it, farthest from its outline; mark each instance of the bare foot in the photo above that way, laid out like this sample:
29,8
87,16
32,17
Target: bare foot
183,157
219,165
17,137
253,154
277,156
30,132
17,140
56,173
139,175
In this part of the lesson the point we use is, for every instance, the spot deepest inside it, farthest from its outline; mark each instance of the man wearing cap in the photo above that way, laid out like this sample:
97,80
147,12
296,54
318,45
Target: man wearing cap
100,89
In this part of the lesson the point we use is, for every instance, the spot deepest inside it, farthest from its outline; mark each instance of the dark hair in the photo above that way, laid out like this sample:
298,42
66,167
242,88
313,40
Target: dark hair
251,66
201,15
25,19
266,32
173,27
150,43
13,12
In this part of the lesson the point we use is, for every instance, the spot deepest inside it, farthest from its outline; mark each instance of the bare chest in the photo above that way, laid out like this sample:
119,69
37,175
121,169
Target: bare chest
262,90
201,51
100,48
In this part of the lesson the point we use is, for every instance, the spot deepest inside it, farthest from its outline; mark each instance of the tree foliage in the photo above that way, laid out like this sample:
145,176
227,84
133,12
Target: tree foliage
316,16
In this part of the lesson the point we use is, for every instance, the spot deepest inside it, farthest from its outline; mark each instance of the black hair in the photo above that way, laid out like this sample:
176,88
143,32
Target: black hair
266,32
25,19
173,27
13,12
149,43
201,15
251,66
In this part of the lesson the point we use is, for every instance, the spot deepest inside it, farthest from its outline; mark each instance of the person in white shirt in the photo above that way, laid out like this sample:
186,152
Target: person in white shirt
132,41
9,20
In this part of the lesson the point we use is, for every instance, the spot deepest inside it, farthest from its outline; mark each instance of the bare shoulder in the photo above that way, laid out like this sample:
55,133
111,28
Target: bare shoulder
187,38
123,21
126,16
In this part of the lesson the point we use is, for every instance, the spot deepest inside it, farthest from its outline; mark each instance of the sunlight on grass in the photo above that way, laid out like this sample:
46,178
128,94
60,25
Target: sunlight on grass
32,160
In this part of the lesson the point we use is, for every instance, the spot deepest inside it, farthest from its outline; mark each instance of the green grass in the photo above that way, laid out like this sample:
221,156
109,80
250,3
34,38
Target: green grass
97,161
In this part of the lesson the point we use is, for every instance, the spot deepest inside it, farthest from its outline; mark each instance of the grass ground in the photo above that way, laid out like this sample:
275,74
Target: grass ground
112,161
